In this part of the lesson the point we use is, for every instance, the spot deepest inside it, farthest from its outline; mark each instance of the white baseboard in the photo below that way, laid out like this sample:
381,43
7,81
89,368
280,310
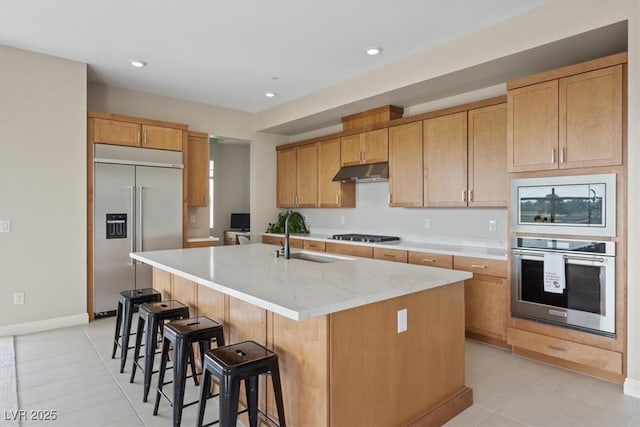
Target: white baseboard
43,325
632,387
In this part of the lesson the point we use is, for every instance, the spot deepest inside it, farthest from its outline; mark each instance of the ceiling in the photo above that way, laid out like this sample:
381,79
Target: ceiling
229,53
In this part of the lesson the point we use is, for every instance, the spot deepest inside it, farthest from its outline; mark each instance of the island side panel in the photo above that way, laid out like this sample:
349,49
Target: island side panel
162,283
382,377
186,292
303,355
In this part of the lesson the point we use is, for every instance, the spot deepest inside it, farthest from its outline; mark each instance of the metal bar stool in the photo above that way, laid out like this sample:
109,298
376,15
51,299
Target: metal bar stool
231,364
152,316
183,334
127,304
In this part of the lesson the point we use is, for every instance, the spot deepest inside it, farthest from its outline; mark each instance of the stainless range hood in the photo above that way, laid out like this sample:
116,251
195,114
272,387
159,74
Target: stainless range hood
363,173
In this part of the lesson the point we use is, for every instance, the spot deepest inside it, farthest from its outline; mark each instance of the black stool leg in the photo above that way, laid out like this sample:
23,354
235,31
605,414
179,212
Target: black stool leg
181,350
151,335
163,367
229,395
192,363
136,350
128,314
277,392
116,337
251,389
204,394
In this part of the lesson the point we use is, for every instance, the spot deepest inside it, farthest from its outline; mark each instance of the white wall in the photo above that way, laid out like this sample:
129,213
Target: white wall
42,191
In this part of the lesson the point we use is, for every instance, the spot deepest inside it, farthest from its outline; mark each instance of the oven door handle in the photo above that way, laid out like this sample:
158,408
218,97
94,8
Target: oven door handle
591,259
521,252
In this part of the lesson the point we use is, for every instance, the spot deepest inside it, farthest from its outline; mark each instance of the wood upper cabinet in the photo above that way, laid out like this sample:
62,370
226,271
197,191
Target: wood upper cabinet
198,169
405,165
488,180
565,123
590,118
445,160
333,194
136,135
297,176
366,147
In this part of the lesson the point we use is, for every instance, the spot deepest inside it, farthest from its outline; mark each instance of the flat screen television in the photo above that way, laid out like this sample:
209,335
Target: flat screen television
240,221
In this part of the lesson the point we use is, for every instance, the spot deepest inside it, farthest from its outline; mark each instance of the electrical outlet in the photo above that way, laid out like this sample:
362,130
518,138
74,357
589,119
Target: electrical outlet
402,320
18,298
492,225
427,223
192,219
5,226
342,219
305,218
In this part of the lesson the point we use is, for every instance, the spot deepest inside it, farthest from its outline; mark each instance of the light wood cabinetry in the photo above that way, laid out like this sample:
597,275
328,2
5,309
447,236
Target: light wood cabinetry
486,298
570,118
333,194
313,245
487,174
351,250
445,161
201,244
366,147
430,260
297,176
231,236
272,240
405,165
137,135
396,255
198,169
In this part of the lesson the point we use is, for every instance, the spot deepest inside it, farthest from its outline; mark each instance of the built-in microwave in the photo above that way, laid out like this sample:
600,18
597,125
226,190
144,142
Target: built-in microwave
575,205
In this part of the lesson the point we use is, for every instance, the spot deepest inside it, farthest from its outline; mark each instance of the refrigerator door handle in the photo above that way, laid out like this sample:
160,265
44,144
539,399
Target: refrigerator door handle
132,199
140,230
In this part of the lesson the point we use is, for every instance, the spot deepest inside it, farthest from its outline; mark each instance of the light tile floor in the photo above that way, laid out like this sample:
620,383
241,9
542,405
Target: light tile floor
70,370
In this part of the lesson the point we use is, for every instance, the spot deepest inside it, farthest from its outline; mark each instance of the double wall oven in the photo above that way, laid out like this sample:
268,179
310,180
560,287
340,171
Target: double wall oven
564,281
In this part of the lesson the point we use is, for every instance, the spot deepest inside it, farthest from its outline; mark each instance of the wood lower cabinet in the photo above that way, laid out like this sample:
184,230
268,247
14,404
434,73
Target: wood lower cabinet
297,176
486,298
313,245
405,165
272,240
396,255
351,250
201,244
430,260
231,236
445,161
333,194
198,169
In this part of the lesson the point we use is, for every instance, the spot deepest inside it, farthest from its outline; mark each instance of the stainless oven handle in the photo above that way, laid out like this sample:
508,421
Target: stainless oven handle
577,258
521,252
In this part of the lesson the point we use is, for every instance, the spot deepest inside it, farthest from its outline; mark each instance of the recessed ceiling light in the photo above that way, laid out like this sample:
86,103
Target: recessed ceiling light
270,94
373,50
138,64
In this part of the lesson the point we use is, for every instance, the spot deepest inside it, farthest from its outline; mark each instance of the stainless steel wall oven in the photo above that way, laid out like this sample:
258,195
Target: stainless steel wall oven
569,283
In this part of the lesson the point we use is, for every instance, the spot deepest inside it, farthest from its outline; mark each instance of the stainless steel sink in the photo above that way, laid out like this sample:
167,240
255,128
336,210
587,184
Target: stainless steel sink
316,257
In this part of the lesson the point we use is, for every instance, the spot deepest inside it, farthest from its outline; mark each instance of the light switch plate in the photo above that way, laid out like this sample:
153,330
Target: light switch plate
402,320
5,226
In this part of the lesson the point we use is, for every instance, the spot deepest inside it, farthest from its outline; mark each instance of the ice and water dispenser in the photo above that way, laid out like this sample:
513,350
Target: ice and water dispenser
116,226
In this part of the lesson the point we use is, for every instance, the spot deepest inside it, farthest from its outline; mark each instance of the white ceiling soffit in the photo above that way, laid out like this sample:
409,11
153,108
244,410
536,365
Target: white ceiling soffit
227,53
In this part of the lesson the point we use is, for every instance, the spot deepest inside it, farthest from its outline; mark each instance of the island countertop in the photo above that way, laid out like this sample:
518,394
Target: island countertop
294,288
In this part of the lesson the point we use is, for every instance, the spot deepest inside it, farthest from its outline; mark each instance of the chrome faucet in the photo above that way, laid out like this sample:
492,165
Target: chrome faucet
286,250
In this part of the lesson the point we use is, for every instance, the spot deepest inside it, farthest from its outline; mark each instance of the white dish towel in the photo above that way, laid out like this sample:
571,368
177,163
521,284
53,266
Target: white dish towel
554,273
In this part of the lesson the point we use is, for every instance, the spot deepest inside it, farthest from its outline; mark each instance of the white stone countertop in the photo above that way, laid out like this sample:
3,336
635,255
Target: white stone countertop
438,248
294,288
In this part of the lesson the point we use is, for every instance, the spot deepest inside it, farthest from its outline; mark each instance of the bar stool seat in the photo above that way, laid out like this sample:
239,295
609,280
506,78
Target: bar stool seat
183,334
231,364
152,317
129,301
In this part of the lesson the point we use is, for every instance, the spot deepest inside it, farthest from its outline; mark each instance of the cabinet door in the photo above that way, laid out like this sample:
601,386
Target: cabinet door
307,176
488,180
532,127
117,133
286,178
430,260
332,194
352,250
396,255
350,150
405,165
590,127
445,160
161,138
198,171
375,146
485,299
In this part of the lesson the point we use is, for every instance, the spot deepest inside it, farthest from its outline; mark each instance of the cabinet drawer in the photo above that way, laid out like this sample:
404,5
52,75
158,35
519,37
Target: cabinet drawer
271,240
353,250
296,243
314,245
396,255
598,358
489,267
431,260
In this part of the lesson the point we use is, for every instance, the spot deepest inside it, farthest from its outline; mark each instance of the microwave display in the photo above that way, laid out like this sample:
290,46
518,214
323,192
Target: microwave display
563,204
577,205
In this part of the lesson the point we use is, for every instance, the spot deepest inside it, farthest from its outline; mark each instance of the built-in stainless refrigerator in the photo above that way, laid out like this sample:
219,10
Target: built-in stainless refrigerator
137,207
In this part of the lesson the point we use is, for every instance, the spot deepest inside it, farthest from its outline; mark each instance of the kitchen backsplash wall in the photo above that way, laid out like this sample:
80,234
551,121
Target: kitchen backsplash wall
373,215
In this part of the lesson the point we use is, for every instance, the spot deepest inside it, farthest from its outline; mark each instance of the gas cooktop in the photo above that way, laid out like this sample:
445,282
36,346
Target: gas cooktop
364,238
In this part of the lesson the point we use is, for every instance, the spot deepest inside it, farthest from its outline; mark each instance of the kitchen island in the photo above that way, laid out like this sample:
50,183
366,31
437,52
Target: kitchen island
335,328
